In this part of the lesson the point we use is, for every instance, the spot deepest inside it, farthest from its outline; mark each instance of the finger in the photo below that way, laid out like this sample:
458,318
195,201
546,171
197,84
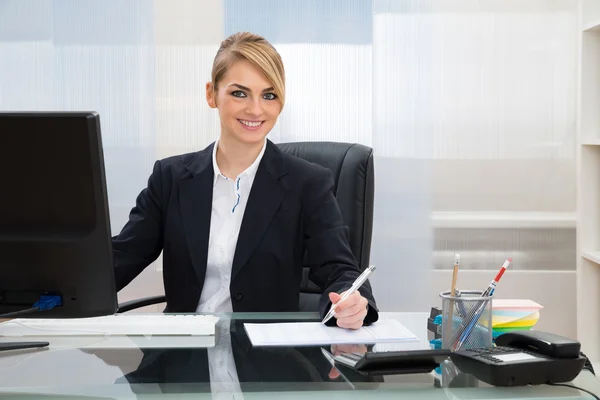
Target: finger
334,373
335,349
334,297
351,321
351,311
360,313
354,298
345,348
349,324
356,349
355,305
353,348
361,349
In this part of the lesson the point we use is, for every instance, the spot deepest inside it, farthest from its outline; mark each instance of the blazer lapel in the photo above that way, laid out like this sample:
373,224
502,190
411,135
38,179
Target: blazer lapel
195,199
265,198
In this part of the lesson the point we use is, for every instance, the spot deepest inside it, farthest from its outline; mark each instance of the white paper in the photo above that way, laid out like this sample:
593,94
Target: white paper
389,330
316,333
515,357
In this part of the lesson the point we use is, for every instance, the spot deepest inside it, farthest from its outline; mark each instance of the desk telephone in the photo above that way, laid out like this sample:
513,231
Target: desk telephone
523,358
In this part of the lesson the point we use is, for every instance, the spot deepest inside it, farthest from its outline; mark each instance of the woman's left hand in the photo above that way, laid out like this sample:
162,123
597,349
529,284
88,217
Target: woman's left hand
351,312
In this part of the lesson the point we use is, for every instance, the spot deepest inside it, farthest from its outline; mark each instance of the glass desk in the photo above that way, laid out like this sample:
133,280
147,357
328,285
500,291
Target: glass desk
90,368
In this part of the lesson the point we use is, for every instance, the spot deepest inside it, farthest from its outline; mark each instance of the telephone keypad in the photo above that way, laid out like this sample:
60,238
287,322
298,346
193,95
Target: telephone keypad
489,353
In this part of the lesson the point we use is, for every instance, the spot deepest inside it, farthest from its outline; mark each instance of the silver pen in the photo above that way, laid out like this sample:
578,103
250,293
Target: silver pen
357,284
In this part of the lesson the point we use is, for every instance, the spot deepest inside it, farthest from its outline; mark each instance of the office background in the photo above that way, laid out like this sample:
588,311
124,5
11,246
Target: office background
470,107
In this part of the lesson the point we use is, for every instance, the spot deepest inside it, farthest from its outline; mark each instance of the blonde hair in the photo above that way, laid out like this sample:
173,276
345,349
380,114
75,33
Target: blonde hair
259,52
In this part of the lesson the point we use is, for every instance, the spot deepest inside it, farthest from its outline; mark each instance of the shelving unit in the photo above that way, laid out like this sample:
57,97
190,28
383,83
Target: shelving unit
503,220
592,26
588,181
593,256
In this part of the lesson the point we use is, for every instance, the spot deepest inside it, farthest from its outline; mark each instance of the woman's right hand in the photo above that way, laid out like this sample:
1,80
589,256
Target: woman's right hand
336,350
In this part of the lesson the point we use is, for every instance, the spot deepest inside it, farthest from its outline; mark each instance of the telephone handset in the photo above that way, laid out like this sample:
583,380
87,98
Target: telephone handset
523,358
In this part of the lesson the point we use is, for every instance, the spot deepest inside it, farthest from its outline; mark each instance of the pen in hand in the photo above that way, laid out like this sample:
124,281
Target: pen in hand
355,286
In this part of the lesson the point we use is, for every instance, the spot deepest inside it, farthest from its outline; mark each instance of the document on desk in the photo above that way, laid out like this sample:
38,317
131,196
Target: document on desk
316,334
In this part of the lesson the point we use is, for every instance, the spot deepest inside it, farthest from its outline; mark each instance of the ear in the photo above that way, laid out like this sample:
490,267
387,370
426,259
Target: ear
211,95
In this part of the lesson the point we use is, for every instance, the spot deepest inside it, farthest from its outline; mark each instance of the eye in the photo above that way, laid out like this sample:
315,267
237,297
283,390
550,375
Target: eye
238,93
269,96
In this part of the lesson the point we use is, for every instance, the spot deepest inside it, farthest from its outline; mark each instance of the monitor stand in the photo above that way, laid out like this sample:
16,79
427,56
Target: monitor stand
21,345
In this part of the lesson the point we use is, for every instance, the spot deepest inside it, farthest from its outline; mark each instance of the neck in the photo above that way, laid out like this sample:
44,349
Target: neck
233,158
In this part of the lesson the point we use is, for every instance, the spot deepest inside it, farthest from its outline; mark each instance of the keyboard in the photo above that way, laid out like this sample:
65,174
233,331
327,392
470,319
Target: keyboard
113,325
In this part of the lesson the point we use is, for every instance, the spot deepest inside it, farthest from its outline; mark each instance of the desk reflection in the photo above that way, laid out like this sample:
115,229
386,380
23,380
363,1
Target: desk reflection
234,366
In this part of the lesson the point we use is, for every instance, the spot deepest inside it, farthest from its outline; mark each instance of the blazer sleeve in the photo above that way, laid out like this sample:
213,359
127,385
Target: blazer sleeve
140,241
328,255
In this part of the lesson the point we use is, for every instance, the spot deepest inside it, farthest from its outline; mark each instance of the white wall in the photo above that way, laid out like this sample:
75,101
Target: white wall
470,106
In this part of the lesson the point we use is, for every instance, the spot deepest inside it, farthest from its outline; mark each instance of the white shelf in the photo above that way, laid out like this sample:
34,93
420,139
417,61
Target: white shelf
591,142
593,256
588,179
592,27
498,219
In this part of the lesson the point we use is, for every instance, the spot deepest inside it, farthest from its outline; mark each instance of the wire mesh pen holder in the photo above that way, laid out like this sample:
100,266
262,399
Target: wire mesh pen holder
466,320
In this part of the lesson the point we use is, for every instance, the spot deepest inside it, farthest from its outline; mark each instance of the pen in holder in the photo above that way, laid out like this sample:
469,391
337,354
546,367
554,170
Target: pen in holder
469,324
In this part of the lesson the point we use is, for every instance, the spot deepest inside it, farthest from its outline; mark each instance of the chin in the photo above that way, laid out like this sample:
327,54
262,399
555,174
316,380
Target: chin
251,137
248,139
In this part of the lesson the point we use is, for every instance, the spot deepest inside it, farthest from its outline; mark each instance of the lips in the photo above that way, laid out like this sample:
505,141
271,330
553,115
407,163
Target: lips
251,125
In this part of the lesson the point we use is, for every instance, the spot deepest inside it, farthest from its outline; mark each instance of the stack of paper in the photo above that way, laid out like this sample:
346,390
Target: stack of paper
514,314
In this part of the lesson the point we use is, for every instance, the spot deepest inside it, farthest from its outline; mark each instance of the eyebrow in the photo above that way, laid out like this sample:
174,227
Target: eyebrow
269,89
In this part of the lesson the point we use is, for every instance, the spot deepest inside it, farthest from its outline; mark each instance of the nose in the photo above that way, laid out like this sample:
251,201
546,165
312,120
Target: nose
254,107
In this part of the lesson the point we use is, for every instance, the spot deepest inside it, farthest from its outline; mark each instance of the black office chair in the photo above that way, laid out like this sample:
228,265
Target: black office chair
354,187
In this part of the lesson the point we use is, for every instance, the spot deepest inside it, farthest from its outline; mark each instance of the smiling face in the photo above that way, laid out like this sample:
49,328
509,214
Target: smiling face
247,104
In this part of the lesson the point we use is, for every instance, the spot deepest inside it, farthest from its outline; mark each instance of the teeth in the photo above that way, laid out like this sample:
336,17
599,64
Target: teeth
248,123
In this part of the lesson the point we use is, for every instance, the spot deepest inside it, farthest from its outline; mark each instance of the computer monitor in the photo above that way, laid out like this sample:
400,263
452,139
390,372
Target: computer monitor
54,220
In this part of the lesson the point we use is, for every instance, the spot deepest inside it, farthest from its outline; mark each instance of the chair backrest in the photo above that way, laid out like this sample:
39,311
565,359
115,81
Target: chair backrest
353,174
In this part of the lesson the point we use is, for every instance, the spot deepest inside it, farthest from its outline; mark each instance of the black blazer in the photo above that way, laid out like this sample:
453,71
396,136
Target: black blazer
291,219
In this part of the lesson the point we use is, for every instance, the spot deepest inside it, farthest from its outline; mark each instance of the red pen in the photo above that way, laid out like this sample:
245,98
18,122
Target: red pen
490,290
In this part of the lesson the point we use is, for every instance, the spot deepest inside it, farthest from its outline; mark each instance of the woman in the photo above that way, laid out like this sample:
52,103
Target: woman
238,220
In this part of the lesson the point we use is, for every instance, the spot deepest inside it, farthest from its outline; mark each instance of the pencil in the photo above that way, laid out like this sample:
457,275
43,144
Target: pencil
455,274
452,293
488,292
